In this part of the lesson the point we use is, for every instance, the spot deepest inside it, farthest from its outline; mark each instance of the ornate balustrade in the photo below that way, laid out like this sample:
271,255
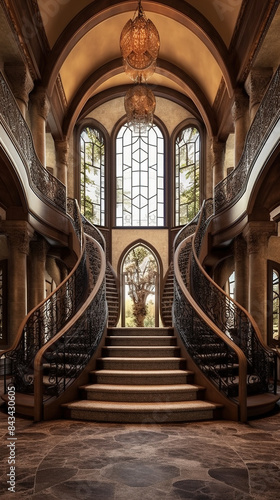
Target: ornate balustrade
216,355
230,317
41,181
233,186
69,352
48,318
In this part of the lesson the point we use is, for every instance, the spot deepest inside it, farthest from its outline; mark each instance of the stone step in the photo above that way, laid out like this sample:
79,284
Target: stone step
141,351
142,377
105,411
141,393
135,332
114,363
141,341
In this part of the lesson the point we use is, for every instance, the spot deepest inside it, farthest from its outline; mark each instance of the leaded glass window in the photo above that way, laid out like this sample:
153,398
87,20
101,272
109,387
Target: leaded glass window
276,307
92,157
140,178
187,182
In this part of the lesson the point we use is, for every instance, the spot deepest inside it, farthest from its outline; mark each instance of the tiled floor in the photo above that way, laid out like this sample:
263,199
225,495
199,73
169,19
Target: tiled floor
74,460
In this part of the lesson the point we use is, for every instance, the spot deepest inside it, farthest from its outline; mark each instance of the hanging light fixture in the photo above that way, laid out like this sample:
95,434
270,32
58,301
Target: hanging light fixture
140,106
139,43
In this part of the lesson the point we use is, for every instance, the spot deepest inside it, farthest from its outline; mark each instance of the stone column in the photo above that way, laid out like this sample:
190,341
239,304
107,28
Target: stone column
218,155
257,235
61,151
256,84
19,234
39,113
37,266
240,119
21,84
241,271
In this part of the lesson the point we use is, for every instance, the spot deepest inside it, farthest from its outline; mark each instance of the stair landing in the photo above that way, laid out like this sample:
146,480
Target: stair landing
141,378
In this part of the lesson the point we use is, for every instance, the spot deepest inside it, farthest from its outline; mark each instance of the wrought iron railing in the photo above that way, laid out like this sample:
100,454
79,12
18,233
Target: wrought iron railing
93,231
67,355
41,180
48,318
232,187
231,318
218,358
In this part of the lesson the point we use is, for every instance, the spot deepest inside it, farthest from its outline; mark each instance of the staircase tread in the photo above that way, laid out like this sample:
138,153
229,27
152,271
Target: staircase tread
138,407
21,399
139,388
142,372
261,399
139,360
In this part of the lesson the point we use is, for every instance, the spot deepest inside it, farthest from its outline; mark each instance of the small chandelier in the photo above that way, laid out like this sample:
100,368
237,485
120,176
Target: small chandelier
139,43
140,106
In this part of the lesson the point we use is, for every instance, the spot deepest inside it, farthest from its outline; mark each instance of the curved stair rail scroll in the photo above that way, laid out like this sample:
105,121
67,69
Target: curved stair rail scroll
233,186
112,282
69,352
43,322
232,319
168,284
41,180
203,339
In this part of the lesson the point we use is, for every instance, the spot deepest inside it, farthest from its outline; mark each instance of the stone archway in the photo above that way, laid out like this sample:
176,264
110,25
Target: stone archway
140,271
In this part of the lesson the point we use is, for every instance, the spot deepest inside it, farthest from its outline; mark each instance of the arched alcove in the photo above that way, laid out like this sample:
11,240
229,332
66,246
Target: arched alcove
140,272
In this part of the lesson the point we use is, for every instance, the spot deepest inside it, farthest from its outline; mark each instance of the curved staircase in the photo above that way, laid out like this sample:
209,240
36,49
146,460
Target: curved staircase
141,378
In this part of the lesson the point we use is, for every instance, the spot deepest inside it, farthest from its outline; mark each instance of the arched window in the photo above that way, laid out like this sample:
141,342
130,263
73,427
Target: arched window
187,182
92,181
273,304
140,178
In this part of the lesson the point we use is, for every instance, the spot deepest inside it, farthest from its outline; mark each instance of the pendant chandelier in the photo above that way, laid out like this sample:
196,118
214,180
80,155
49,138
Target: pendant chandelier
139,44
140,105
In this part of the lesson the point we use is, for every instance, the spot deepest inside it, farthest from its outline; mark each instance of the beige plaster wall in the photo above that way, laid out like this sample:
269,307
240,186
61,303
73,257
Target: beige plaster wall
171,114
157,238
273,251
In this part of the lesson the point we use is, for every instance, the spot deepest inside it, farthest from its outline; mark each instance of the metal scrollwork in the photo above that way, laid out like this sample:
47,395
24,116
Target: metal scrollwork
232,187
70,354
41,181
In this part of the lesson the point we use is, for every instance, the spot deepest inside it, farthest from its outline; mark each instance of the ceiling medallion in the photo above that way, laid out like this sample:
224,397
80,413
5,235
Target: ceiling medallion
139,43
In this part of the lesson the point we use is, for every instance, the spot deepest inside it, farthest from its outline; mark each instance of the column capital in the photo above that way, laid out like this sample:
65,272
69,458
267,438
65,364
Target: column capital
40,99
40,246
218,150
240,104
239,248
19,234
20,81
61,151
257,234
256,84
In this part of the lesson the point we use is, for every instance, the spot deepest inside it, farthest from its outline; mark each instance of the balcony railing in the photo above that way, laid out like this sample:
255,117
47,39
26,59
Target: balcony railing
41,181
233,186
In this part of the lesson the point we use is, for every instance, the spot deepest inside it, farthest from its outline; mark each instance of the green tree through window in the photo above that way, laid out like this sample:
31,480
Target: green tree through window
187,166
140,272
92,158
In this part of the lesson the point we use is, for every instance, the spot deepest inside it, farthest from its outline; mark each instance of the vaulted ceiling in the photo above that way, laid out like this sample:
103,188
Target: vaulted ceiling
207,48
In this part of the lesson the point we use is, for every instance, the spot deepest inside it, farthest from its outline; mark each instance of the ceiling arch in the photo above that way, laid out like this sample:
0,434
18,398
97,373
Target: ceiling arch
189,88
180,12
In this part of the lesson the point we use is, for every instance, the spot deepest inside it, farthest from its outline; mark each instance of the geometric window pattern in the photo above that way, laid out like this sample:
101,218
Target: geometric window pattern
140,178
187,166
276,307
92,182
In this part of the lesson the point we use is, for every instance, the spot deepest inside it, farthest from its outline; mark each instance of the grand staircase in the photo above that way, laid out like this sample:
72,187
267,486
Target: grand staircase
141,378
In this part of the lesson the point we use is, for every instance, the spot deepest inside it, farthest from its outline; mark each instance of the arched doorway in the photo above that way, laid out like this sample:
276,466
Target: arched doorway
140,272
